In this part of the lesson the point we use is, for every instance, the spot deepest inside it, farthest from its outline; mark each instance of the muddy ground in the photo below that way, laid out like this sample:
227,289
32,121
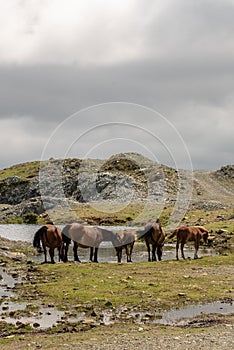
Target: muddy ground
36,284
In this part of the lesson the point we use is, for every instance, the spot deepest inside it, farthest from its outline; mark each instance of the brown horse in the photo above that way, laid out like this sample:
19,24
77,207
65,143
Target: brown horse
87,237
127,239
186,234
154,235
50,236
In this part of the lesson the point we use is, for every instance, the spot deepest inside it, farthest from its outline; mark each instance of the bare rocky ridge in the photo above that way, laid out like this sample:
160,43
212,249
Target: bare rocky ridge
127,177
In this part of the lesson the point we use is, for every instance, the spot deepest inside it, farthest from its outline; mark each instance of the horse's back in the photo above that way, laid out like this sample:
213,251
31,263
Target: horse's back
189,233
85,236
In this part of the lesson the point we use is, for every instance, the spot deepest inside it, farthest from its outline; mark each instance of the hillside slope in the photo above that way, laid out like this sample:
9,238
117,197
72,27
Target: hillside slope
127,178
215,185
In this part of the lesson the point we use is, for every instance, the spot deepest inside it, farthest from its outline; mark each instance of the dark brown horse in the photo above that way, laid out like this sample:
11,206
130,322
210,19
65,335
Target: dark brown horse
186,234
50,236
127,239
87,237
154,235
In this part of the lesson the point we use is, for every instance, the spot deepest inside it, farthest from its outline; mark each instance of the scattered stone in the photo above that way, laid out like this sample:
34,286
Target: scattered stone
5,307
108,303
88,321
36,325
16,256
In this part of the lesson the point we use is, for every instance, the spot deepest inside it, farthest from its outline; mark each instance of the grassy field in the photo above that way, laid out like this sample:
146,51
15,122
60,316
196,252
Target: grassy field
24,170
159,285
91,288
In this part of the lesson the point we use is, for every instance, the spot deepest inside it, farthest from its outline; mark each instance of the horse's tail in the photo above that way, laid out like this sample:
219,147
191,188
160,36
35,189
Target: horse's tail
65,234
202,229
37,238
162,237
174,233
160,227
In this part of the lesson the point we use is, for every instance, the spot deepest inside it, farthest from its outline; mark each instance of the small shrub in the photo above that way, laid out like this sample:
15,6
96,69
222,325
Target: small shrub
30,218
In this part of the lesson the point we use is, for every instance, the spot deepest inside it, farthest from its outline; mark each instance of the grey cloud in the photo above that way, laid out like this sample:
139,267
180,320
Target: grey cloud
185,71
57,91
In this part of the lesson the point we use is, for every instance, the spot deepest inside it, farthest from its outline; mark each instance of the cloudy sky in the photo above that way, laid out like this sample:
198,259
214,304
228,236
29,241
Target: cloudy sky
64,65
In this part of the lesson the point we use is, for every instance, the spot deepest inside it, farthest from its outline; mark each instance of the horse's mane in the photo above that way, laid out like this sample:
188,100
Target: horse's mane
149,228
37,238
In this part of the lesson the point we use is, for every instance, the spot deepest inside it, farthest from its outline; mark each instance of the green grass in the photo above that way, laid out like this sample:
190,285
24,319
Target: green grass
152,286
109,214
24,170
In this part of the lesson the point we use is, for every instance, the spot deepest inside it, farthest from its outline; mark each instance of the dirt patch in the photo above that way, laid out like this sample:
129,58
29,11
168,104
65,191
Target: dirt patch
142,287
218,336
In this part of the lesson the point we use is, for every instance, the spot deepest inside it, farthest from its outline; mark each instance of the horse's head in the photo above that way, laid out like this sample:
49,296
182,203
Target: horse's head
205,236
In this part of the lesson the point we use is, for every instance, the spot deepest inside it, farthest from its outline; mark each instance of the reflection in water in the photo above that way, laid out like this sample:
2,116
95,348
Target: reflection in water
106,250
45,317
107,253
178,317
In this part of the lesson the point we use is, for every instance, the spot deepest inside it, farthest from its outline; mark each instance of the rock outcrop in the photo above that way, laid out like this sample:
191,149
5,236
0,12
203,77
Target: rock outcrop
127,177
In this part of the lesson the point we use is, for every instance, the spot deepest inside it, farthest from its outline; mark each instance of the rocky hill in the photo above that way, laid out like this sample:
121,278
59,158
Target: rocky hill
29,190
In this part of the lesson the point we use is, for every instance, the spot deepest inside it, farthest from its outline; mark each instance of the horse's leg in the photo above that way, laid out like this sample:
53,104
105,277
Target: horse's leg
127,252
61,252
95,255
65,248
159,252
153,252
51,251
196,246
91,254
182,250
119,253
129,257
177,250
75,248
45,253
148,248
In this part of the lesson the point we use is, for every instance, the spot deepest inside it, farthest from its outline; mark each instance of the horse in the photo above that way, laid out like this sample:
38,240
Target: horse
186,234
50,236
154,235
127,239
87,237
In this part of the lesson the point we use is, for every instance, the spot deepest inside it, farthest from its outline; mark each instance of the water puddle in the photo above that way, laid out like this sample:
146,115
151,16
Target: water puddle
48,316
181,316
13,312
177,317
106,253
23,313
43,318
7,282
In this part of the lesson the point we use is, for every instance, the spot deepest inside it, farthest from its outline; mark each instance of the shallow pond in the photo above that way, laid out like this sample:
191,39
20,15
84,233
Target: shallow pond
106,250
48,316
